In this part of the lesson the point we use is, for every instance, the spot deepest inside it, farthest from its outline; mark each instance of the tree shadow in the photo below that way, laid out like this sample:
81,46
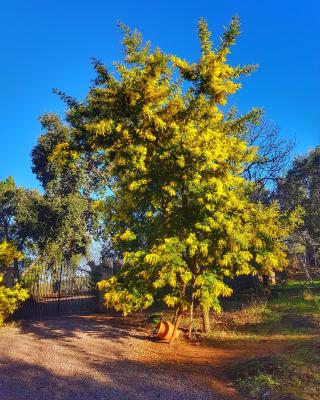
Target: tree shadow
123,380
117,379
105,326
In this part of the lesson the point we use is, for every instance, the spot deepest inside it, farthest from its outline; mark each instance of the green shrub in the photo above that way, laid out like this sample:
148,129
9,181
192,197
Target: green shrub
10,299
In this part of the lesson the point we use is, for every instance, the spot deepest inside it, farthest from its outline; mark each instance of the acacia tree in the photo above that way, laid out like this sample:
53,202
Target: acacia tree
175,200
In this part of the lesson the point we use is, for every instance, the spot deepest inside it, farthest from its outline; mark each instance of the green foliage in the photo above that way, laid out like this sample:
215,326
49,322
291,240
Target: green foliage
10,299
54,161
7,205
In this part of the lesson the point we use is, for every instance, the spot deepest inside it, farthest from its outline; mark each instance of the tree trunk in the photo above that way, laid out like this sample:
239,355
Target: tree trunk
191,320
175,316
206,319
266,280
176,325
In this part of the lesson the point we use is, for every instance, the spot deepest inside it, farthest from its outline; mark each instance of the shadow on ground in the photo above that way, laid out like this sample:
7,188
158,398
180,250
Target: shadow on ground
95,358
123,380
102,326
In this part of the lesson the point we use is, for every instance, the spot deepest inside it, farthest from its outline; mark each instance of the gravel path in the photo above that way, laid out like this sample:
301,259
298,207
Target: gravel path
93,358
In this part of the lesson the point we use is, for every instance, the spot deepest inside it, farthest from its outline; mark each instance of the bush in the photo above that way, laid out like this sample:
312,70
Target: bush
10,299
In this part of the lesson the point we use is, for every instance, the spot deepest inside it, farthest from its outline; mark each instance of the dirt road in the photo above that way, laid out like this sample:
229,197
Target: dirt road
95,358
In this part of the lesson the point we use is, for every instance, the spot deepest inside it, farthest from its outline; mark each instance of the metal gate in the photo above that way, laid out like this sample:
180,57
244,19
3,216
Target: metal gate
67,290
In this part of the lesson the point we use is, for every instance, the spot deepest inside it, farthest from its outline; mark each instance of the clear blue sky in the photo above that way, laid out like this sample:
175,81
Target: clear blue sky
48,43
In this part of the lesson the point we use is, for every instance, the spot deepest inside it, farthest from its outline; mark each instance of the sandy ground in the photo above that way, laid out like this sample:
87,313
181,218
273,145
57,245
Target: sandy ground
98,357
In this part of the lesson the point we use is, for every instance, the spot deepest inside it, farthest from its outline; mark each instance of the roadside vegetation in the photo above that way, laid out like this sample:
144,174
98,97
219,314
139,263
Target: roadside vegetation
10,299
275,343
288,326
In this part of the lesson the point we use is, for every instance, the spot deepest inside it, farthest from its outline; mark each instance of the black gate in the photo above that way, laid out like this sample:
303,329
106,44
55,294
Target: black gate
67,290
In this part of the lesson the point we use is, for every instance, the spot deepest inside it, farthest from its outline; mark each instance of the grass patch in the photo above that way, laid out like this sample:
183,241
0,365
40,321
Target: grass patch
291,284
274,376
291,318
300,303
256,386
268,365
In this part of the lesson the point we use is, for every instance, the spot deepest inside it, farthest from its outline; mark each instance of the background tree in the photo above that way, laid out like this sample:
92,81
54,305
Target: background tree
272,158
301,187
7,193
11,244
66,212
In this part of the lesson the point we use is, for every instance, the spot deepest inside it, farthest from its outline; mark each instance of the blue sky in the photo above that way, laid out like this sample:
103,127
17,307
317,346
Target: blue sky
47,44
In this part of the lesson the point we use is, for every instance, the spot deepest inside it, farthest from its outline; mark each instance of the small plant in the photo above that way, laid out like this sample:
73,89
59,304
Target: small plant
316,358
257,385
317,379
155,318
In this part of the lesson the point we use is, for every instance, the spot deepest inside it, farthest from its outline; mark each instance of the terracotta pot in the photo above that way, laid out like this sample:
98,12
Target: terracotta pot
165,330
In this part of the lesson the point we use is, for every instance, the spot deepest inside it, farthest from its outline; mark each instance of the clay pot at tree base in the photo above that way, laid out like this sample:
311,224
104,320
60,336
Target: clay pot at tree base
165,330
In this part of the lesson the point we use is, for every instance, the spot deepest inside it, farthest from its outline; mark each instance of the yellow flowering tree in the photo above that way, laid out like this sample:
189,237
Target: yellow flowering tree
172,158
10,297
9,254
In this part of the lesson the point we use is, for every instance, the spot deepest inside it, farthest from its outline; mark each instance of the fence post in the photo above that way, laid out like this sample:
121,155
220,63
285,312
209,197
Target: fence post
59,290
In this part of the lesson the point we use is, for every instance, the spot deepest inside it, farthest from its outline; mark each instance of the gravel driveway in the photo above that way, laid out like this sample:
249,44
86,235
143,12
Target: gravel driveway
93,357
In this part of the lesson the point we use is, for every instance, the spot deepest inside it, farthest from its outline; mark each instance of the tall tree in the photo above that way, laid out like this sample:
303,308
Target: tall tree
301,187
66,211
7,193
12,244
175,200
